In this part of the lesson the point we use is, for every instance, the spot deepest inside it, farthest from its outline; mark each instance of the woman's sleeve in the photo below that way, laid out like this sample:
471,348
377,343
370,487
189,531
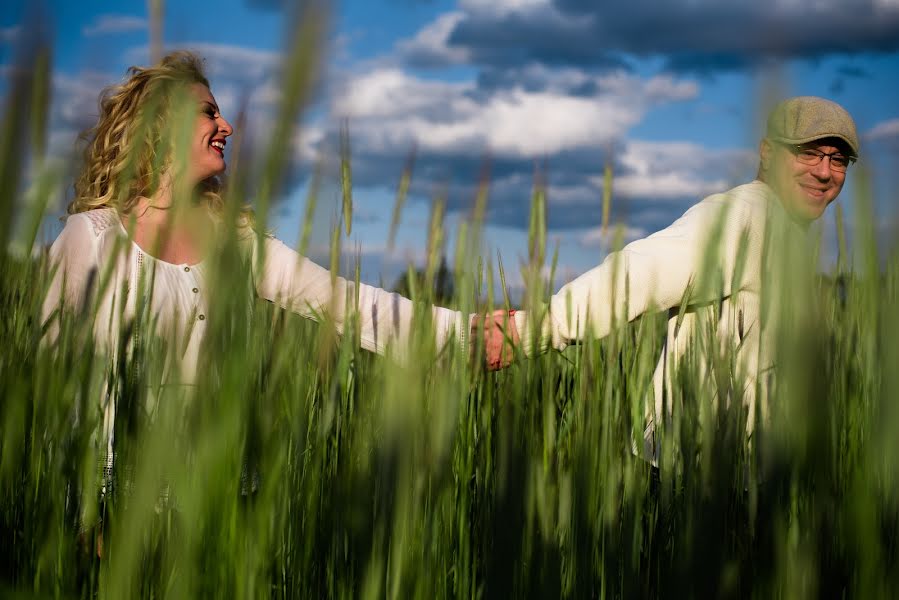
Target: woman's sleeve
73,264
298,284
652,274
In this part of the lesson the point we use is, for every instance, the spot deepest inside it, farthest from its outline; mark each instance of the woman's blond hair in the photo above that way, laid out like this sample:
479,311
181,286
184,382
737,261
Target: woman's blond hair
127,152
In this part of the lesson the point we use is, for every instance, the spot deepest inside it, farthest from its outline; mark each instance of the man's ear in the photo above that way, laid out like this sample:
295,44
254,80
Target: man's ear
765,154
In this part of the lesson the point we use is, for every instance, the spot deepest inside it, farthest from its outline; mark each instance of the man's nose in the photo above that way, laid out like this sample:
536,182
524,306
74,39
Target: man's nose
823,170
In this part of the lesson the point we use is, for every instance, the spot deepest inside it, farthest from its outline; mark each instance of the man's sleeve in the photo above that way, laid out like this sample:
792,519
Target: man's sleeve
652,274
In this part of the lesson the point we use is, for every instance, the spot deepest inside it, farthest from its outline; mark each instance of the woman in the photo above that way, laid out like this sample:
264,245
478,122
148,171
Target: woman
144,226
139,211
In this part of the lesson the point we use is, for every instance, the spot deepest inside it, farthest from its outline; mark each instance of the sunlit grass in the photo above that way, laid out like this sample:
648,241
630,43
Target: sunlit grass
302,466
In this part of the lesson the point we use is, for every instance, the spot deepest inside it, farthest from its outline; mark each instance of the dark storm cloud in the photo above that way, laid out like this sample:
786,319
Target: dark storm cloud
532,78
517,39
742,28
693,35
511,208
654,183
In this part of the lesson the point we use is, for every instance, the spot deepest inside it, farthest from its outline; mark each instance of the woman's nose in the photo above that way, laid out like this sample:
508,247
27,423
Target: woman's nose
225,127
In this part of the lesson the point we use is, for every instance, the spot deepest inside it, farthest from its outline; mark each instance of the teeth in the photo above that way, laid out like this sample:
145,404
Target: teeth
218,145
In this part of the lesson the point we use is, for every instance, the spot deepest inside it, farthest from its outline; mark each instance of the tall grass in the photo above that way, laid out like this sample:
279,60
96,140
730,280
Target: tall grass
302,466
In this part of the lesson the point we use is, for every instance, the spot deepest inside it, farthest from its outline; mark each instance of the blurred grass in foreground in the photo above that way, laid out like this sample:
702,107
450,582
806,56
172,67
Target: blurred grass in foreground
304,467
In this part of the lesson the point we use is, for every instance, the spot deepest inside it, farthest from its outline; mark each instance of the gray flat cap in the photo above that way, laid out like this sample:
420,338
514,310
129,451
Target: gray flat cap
807,118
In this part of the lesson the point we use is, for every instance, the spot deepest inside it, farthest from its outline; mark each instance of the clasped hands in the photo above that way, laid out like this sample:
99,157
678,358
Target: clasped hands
498,335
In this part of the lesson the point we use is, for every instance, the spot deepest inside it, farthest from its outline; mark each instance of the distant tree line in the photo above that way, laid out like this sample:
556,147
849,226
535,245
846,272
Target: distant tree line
442,289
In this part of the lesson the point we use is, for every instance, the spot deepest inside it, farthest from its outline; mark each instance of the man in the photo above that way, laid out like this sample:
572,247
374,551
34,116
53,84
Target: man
708,269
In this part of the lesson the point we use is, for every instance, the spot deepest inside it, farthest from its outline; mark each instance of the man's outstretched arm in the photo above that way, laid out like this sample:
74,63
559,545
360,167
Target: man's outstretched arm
693,260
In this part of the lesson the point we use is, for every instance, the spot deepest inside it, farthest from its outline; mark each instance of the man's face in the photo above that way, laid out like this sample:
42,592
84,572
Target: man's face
804,189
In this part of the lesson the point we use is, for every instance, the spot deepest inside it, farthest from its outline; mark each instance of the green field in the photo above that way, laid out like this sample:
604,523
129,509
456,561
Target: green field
303,466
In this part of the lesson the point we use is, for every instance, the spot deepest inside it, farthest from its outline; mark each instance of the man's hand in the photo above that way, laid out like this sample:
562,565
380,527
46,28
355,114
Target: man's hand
500,337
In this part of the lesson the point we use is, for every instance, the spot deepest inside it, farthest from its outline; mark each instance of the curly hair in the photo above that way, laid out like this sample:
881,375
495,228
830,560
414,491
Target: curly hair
125,153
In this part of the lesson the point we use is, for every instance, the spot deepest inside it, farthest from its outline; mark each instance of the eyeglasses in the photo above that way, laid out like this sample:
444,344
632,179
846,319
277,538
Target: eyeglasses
810,156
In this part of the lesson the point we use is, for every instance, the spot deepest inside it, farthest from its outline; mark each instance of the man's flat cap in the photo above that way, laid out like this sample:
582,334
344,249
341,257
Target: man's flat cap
808,118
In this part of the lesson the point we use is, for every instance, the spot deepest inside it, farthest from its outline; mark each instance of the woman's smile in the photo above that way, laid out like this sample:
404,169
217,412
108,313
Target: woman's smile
218,145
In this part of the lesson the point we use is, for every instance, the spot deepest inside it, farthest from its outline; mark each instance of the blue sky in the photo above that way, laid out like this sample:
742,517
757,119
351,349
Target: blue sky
673,94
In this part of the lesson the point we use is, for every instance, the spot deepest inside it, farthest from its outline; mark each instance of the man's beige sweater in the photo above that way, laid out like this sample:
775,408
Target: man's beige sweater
706,270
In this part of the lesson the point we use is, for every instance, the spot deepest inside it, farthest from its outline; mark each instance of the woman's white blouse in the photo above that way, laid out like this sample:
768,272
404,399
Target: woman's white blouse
94,245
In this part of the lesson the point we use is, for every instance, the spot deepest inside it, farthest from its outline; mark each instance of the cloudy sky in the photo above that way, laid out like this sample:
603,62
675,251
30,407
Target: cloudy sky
670,94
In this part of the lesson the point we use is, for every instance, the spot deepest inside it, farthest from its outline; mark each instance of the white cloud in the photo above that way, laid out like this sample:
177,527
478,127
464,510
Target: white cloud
674,170
74,106
431,44
502,8
666,185
223,57
109,24
884,129
664,88
525,124
391,92
391,108
657,89
77,96
556,79
306,143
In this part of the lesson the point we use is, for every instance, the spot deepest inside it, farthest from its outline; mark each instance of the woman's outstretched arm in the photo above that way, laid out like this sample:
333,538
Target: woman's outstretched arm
296,283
